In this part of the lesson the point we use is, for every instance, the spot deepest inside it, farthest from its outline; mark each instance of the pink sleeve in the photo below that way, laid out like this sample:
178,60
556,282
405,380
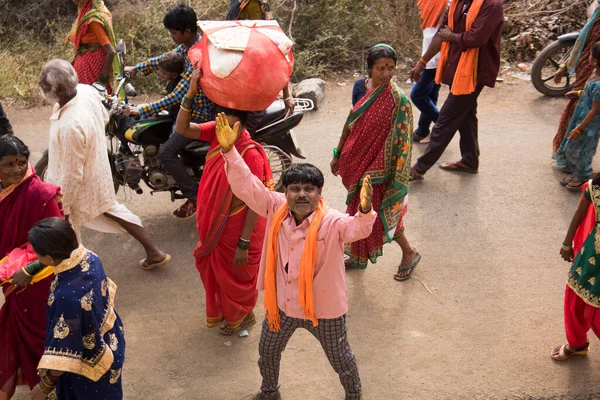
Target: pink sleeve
356,227
249,188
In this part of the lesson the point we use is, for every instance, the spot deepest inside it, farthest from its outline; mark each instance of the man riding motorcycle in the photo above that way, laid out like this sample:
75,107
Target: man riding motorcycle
180,21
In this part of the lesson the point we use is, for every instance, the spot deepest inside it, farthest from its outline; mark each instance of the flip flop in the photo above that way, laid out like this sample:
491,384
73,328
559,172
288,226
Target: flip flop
244,325
410,266
561,353
565,181
147,267
458,167
576,188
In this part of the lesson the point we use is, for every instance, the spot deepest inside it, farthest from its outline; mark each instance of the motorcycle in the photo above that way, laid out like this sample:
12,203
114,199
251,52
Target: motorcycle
547,63
550,58
134,144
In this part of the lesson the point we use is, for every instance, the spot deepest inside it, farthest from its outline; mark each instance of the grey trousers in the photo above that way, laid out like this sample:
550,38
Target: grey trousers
333,337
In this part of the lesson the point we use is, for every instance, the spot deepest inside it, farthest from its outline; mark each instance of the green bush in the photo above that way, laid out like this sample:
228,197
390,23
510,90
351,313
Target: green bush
331,36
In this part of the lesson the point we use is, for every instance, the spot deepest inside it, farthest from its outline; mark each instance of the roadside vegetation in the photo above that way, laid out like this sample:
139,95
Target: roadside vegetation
331,36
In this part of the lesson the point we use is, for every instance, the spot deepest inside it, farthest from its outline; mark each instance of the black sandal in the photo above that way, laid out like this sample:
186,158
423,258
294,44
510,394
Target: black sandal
410,267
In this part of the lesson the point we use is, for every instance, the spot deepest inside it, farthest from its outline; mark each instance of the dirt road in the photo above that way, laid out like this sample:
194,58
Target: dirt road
483,330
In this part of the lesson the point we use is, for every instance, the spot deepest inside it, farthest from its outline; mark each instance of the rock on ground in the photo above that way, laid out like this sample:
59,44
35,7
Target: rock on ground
313,88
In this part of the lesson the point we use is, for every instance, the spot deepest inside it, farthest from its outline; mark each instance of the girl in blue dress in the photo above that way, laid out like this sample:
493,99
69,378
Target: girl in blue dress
85,345
579,147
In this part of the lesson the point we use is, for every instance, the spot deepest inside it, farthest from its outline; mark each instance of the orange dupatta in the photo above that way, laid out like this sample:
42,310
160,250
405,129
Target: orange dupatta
465,77
307,268
431,12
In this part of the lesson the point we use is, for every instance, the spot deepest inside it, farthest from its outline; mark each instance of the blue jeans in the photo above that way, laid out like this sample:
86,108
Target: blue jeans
424,96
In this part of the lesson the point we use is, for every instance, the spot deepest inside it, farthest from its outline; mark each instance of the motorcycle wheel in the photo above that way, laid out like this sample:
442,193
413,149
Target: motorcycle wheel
546,64
280,162
41,167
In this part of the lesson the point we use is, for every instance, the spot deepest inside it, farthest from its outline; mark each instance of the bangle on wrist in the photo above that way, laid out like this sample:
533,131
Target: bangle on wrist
187,103
185,109
336,153
422,61
26,273
34,267
567,247
243,244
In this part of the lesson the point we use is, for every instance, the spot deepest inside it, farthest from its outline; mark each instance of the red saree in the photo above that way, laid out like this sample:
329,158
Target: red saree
230,290
23,315
379,145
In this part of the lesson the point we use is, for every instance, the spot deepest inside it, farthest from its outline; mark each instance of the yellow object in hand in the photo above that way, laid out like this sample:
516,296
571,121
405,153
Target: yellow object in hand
225,134
366,195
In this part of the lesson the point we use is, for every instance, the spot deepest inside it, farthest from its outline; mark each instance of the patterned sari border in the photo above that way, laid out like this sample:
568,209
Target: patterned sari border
72,362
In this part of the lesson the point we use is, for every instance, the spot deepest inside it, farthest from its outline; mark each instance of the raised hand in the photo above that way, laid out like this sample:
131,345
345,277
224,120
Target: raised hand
225,135
366,195
195,79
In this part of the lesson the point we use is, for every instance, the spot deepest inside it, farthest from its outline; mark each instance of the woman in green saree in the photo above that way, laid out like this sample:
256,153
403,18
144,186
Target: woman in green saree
377,141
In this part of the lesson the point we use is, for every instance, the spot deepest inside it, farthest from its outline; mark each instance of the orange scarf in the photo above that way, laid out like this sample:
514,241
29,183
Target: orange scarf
465,77
431,11
307,267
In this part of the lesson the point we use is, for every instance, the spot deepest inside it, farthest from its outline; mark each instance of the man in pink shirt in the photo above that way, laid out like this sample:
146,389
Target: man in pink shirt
301,204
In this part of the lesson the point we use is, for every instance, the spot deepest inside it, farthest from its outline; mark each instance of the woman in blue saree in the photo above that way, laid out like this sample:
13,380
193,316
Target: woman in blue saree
85,346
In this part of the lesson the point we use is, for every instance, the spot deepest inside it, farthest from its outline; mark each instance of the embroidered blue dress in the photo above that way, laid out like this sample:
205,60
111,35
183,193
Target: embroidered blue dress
578,154
84,335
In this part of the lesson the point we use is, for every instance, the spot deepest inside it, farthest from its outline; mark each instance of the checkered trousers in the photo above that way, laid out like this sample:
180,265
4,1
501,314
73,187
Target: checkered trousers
333,337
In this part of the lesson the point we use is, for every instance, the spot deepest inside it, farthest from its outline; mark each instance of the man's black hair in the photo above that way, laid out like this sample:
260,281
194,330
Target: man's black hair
303,173
239,114
53,237
181,17
11,145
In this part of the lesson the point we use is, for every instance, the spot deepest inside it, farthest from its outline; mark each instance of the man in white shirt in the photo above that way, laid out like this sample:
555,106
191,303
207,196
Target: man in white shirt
425,91
78,162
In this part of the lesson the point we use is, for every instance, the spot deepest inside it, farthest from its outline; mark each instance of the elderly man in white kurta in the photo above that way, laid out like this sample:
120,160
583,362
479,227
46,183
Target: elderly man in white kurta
78,162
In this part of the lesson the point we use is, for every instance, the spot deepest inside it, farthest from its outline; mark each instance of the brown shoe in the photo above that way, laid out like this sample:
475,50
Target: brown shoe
186,211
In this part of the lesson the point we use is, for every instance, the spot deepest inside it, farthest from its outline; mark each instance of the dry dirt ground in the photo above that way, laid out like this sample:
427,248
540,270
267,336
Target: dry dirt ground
483,330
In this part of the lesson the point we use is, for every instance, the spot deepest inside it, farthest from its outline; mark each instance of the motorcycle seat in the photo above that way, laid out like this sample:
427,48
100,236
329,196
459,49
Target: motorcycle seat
275,111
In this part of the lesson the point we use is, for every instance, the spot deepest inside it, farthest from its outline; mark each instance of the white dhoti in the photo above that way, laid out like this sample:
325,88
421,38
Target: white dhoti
104,224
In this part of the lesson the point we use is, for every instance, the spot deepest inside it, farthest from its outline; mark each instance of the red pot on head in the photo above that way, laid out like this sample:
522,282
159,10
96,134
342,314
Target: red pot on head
244,80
